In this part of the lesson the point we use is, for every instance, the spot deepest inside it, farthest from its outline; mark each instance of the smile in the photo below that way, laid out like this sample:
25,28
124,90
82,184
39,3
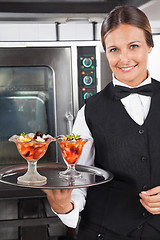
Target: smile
127,69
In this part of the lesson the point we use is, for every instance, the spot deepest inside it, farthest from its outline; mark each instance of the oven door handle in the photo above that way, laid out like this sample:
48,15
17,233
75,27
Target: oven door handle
69,118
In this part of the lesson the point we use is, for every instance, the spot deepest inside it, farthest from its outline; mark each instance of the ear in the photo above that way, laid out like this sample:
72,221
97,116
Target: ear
149,49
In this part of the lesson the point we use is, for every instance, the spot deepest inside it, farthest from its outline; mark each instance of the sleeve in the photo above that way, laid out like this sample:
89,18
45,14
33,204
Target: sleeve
87,158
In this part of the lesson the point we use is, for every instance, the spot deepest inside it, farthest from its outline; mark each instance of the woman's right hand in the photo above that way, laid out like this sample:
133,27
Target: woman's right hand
60,200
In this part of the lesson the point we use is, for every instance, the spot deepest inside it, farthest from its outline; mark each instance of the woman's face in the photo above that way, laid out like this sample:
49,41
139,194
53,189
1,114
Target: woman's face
127,53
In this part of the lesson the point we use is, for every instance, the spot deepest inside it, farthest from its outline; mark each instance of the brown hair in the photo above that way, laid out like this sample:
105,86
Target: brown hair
127,15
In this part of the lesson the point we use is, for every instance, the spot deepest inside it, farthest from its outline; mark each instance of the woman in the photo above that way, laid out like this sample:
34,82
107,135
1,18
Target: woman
124,127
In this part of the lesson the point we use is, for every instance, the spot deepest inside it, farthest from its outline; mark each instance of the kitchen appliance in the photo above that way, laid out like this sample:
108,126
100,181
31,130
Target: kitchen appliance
41,89
87,73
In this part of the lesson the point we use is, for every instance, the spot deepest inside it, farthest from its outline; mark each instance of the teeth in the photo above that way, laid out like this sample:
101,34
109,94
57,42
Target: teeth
126,69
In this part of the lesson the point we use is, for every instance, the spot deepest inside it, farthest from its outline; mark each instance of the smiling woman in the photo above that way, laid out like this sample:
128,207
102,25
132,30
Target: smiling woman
124,137
127,54
127,39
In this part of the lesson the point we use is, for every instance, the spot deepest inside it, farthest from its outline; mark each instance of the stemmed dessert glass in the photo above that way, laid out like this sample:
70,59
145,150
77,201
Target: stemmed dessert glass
32,150
71,151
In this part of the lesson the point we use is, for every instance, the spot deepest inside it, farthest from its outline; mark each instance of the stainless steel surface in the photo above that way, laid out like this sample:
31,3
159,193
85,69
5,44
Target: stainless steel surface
70,119
26,105
46,58
27,10
37,101
59,60
91,176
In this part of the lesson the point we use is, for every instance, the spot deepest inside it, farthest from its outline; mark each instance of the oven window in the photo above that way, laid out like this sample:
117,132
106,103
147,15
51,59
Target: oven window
27,104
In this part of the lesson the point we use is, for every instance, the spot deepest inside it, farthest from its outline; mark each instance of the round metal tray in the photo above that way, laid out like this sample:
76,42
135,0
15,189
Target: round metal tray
91,176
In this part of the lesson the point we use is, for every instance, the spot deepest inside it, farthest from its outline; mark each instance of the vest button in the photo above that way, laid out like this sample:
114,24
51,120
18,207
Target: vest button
141,131
139,227
144,188
144,214
143,158
100,236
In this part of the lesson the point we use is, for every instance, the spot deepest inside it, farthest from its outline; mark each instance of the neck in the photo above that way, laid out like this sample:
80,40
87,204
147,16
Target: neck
133,83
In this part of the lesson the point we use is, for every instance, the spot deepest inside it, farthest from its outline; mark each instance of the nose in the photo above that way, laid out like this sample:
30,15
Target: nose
124,56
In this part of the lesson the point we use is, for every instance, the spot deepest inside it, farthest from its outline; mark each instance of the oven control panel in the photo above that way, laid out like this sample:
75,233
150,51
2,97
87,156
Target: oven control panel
86,73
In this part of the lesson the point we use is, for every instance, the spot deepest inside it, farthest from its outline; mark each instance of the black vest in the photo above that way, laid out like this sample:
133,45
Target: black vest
131,152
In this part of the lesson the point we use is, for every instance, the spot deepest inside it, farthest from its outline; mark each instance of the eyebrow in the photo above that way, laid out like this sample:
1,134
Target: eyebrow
133,42
111,47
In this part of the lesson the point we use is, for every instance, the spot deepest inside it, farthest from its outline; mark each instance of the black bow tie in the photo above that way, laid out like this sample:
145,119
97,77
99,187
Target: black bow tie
121,92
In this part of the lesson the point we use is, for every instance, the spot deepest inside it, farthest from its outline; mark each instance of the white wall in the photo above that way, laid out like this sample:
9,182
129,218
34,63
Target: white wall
47,31
27,32
154,59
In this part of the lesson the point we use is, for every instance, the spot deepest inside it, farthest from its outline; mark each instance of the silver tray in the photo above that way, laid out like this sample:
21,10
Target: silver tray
91,176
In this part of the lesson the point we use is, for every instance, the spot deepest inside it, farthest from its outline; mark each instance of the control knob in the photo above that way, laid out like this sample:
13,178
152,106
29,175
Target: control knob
87,62
87,80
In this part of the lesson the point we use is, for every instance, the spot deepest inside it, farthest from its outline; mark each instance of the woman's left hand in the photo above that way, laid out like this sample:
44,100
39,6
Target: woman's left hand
151,200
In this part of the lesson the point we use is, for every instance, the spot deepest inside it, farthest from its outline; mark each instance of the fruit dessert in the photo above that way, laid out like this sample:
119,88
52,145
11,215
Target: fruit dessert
33,146
71,147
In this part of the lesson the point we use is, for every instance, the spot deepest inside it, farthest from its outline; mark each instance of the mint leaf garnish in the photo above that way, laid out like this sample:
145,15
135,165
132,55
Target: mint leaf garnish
73,136
23,134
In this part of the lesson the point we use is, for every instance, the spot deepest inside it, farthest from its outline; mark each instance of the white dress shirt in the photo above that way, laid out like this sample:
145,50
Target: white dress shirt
135,104
137,107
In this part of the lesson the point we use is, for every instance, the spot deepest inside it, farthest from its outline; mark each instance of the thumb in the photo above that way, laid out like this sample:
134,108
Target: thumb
152,191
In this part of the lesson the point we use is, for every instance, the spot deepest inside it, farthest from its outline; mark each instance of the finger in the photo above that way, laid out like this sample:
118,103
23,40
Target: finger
155,210
152,205
50,190
58,193
45,190
63,191
151,199
52,193
152,191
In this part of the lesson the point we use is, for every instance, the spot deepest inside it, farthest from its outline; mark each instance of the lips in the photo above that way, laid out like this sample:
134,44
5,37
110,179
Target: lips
127,69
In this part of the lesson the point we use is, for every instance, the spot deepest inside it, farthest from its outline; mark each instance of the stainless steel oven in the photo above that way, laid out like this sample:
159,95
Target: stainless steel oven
34,83
41,89
42,86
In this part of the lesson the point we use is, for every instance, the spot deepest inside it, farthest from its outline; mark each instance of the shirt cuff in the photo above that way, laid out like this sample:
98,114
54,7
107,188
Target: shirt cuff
70,219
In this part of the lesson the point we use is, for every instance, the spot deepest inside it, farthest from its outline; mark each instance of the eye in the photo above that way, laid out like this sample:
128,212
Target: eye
113,50
134,46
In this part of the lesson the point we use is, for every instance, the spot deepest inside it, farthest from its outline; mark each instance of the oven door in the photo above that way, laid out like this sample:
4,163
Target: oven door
35,94
57,58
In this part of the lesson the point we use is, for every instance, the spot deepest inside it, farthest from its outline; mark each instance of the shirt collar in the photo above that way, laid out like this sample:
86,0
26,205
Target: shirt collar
116,82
